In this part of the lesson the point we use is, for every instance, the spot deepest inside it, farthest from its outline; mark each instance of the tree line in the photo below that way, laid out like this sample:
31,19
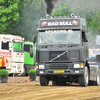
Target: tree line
20,17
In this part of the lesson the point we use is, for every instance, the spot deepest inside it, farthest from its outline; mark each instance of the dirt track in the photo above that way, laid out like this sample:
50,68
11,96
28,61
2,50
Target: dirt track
19,89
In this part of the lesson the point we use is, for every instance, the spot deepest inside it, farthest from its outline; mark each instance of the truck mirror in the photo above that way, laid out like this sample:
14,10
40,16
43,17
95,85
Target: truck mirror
86,35
85,40
34,38
10,49
98,58
10,46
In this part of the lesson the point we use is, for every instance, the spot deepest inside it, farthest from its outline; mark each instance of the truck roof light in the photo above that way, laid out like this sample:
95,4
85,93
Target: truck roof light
47,16
72,15
23,39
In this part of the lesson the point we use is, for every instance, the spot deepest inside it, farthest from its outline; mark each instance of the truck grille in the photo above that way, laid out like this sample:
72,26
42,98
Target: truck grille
54,54
58,66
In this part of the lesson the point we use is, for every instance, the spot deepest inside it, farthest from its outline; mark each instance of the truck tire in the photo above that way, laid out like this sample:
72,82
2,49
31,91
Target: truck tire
98,78
97,82
24,74
44,81
84,79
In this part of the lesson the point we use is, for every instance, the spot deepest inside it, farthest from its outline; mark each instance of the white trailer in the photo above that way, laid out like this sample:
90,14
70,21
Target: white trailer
11,47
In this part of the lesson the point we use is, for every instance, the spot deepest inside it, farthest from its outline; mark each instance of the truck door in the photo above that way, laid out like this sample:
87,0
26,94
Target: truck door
5,50
29,56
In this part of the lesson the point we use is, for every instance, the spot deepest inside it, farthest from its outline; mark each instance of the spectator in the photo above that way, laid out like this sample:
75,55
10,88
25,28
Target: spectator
3,62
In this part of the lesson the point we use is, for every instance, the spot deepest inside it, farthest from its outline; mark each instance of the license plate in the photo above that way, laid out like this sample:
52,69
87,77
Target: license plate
59,71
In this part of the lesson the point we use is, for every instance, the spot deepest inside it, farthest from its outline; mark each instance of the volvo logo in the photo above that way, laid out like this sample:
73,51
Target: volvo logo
58,56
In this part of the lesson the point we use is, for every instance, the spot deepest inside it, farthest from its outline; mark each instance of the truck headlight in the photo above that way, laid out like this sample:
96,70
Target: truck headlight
78,65
41,67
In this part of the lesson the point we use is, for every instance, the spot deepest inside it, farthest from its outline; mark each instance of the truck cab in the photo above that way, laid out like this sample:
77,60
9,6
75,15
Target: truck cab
11,47
29,52
62,50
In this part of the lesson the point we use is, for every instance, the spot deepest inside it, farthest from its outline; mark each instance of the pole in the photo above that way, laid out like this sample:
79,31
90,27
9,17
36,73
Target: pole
13,77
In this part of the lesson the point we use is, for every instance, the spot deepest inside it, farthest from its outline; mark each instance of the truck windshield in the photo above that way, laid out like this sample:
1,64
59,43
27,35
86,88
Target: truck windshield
54,37
18,47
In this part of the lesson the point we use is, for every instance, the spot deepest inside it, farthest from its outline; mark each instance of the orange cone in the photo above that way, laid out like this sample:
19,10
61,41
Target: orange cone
28,79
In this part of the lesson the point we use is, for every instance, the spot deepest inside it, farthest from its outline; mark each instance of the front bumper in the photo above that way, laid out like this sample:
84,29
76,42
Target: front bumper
60,72
60,69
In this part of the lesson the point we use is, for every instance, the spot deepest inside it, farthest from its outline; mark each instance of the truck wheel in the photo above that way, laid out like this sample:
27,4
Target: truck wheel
84,79
24,74
44,81
54,83
98,79
97,82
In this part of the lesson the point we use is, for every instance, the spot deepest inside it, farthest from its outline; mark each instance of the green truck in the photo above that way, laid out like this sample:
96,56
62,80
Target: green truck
29,52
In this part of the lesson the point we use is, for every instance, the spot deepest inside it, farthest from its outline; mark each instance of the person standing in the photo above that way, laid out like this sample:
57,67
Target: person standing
3,62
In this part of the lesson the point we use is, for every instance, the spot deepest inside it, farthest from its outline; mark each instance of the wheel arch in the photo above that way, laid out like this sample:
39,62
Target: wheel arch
87,64
25,71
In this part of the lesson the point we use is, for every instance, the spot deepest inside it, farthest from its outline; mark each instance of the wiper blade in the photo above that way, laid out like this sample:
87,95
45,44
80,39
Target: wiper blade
47,44
70,43
62,44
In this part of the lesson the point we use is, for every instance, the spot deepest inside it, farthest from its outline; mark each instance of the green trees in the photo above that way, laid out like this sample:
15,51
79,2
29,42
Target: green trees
20,17
32,11
9,15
